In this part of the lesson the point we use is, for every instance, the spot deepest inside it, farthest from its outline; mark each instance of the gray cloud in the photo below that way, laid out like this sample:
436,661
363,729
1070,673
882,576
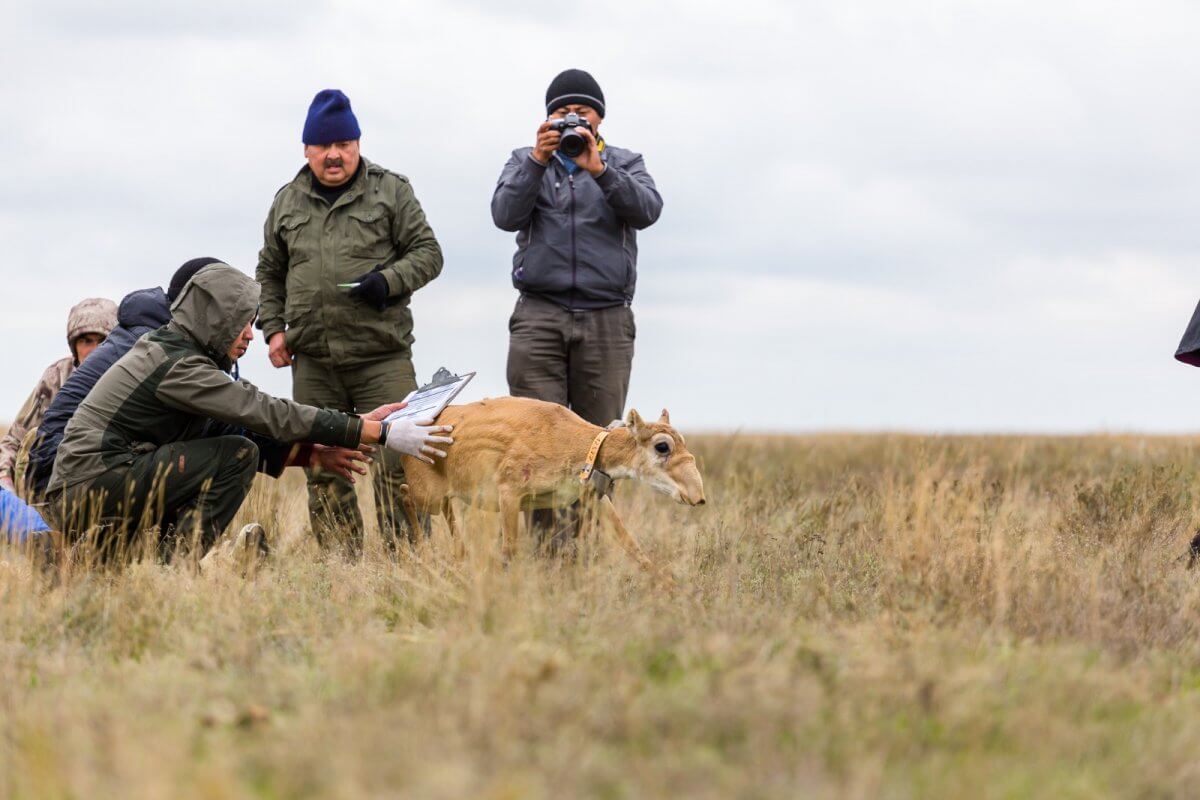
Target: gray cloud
218,20
930,215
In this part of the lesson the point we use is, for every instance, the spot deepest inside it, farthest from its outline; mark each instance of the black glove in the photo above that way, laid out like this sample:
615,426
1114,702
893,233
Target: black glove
372,289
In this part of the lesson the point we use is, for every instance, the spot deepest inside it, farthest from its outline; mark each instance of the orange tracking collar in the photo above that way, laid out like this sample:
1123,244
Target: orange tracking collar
593,453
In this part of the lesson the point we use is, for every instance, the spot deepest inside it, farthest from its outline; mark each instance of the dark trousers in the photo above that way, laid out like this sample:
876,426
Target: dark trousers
332,504
190,490
579,359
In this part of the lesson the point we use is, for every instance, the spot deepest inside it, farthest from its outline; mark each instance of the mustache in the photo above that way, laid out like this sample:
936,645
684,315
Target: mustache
333,162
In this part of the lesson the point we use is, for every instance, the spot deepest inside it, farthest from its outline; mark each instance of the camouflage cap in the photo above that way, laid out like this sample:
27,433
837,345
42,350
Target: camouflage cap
94,315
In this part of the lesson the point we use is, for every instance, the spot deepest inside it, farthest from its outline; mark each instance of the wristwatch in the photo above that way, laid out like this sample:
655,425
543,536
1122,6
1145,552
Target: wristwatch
384,427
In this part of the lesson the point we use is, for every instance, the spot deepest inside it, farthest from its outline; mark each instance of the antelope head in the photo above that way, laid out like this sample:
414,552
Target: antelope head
662,460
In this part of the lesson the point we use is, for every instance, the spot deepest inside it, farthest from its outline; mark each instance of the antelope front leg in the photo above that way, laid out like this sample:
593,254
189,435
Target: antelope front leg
608,513
459,542
448,513
410,512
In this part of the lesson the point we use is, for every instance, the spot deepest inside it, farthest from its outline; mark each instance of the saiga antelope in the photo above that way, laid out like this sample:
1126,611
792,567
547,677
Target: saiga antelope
512,454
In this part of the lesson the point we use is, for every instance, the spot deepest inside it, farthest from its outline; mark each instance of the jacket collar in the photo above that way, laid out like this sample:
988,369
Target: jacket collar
304,178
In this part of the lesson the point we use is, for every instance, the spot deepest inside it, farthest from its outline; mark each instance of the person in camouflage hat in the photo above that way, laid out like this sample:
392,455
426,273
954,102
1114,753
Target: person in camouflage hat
346,244
88,324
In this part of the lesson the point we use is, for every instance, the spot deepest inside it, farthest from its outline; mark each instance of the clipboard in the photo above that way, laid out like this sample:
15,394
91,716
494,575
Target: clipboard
429,401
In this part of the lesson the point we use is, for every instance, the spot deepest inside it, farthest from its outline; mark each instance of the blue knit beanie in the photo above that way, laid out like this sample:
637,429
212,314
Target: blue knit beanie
330,119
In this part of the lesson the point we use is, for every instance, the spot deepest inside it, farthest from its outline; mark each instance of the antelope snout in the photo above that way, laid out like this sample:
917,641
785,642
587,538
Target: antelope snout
692,488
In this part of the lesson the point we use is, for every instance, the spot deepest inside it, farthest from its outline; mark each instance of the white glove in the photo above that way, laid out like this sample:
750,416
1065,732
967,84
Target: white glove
416,438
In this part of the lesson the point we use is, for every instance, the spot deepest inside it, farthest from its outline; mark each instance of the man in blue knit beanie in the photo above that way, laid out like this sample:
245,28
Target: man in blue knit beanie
345,246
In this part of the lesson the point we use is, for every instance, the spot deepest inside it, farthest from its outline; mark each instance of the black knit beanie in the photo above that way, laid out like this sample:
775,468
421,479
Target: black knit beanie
574,86
185,273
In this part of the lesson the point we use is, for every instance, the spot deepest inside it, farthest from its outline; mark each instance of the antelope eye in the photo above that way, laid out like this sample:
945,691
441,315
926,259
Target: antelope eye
663,447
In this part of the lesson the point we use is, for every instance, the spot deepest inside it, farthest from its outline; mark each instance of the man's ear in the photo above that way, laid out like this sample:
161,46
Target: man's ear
634,421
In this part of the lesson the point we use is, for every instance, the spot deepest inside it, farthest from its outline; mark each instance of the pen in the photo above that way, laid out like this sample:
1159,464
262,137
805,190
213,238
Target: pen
348,285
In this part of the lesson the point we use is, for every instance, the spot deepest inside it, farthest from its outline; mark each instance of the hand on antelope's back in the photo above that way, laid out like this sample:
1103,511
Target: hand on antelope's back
418,438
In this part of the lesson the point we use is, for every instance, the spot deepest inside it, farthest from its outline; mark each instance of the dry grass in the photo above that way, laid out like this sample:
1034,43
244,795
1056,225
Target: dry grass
861,617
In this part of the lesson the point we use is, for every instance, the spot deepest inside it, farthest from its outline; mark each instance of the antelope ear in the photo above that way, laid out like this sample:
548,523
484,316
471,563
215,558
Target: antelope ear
665,418
634,420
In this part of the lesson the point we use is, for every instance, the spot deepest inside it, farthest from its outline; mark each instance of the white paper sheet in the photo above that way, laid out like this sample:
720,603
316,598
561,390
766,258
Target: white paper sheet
428,401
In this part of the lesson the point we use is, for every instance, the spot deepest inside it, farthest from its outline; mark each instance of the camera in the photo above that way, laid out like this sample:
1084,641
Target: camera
572,142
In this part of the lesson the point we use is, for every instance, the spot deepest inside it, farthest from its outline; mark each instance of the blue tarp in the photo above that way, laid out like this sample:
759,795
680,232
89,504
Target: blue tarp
18,520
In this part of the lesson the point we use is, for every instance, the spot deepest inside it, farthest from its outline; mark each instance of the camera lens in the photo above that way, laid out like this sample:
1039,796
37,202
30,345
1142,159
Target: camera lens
571,144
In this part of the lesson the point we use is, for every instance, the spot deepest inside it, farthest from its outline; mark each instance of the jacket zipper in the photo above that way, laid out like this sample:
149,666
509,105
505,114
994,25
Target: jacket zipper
624,260
574,265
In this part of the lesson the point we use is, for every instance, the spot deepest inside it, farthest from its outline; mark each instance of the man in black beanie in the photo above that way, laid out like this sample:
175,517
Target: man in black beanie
345,246
572,331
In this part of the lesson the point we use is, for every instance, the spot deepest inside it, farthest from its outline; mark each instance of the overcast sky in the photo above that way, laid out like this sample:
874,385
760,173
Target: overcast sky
929,215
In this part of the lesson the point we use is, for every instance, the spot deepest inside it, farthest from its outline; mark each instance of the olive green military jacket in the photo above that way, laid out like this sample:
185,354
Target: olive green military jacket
310,246
173,386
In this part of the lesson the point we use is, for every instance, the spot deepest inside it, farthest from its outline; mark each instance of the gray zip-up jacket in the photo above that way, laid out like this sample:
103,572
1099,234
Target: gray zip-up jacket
576,240
173,386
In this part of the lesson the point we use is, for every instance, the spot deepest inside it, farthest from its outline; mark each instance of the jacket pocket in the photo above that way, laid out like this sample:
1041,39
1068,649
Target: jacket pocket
369,233
296,312
297,307
292,228
380,332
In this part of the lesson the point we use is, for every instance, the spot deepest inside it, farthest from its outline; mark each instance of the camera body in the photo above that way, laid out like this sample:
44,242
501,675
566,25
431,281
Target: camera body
572,142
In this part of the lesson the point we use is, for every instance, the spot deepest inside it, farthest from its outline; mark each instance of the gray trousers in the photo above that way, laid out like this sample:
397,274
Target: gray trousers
579,359
332,505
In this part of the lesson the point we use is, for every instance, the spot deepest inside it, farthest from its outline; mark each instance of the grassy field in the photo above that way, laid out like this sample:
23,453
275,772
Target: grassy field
859,616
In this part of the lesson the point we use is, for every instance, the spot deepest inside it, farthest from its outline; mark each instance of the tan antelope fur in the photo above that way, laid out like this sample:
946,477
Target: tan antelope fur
512,454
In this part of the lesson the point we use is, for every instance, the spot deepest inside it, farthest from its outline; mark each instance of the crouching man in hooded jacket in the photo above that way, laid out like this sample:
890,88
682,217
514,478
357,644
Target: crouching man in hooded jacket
168,439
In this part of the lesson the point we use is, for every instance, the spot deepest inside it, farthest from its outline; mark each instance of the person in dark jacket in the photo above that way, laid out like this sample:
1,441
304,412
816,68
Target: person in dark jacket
168,439
571,335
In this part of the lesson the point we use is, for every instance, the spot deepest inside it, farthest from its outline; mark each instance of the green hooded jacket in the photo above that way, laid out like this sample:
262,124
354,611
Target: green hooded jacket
174,386
310,246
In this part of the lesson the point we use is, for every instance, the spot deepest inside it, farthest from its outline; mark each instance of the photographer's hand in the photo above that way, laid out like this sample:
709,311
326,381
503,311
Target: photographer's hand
546,144
589,159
